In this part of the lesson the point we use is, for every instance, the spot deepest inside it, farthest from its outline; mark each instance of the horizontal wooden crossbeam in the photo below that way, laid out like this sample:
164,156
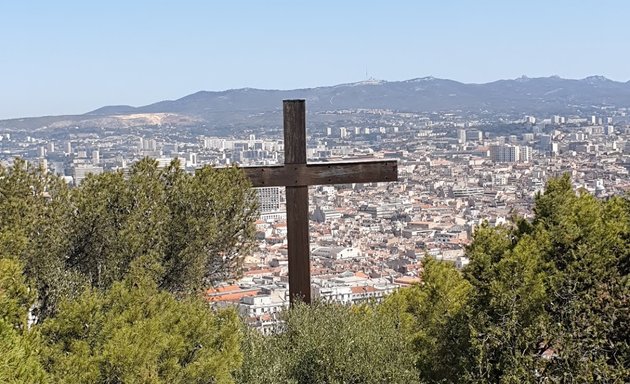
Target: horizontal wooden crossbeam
295,175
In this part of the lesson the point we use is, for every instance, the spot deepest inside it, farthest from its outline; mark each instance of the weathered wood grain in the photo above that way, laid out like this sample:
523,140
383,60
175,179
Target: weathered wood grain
298,244
294,112
323,173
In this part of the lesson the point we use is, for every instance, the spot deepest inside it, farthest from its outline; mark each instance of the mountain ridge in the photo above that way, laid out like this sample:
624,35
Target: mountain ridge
315,93
523,95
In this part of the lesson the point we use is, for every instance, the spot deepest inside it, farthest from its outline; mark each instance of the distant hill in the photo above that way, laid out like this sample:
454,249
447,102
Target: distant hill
545,95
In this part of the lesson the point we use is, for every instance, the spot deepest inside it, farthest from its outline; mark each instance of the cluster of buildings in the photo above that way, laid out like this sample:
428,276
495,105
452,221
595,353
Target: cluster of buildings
368,240
456,172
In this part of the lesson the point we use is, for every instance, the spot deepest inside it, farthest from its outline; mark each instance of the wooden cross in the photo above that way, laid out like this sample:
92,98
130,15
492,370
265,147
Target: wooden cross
296,175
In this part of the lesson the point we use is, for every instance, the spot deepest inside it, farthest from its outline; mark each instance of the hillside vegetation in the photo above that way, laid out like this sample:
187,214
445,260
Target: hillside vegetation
113,272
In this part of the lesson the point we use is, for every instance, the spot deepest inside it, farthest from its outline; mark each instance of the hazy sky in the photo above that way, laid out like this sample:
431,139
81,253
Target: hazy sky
66,57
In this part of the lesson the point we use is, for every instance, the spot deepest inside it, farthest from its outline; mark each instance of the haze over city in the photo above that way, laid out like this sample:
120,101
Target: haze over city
70,57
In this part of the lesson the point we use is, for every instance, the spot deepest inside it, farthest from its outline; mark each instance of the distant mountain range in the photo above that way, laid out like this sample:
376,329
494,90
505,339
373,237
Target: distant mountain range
544,95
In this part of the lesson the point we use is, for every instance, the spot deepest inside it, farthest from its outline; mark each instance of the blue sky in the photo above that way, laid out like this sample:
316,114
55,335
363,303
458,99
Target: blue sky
66,57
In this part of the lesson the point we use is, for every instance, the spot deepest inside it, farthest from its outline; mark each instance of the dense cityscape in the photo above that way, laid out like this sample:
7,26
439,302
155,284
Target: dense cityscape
456,172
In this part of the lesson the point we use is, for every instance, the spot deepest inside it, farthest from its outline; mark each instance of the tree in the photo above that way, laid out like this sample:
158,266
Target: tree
117,262
196,227
330,343
589,287
104,257
19,346
550,296
546,300
35,228
431,316
506,317
135,333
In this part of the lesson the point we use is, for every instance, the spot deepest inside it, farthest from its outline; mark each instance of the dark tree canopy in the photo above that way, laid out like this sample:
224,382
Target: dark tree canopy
330,343
191,229
19,346
195,228
133,333
547,300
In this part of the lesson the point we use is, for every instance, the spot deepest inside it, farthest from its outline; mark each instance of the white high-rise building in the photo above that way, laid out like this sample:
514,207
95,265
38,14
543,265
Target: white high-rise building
150,145
579,136
525,154
192,159
43,163
214,143
96,156
461,136
270,199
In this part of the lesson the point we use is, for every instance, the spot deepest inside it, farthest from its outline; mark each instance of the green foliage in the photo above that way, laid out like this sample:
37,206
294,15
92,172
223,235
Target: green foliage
35,225
589,286
156,229
117,263
507,312
19,356
195,229
137,334
430,317
19,347
15,296
330,343
550,298
542,301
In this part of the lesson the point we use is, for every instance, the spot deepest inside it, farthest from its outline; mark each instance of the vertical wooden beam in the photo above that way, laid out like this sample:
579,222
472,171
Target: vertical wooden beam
297,203
294,131
298,243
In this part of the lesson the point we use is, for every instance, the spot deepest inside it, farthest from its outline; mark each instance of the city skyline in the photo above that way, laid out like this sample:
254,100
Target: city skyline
70,58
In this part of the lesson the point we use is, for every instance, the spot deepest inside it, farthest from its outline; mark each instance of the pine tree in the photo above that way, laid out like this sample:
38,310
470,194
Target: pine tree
330,343
196,227
431,315
19,345
135,333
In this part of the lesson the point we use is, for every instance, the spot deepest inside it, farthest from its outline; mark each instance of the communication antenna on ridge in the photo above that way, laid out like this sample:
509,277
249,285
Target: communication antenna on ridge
366,73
